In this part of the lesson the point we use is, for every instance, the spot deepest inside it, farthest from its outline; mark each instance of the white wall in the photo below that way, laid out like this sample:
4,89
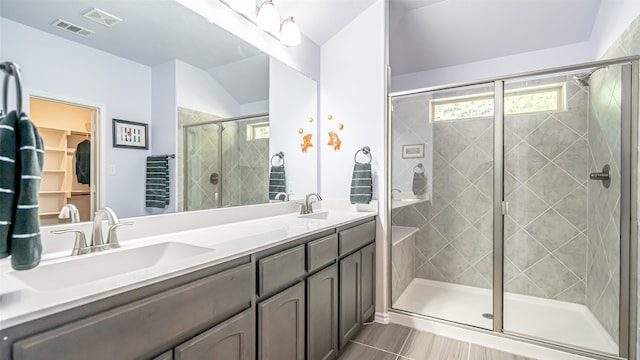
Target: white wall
293,98
57,66
486,69
353,90
304,58
613,18
163,133
197,90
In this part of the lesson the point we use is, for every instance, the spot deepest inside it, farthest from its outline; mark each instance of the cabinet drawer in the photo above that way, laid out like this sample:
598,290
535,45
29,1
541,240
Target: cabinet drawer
142,328
279,270
357,237
321,252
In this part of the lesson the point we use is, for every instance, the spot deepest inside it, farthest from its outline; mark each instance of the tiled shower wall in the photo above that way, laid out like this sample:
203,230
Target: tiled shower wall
189,117
545,240
626,45
245,163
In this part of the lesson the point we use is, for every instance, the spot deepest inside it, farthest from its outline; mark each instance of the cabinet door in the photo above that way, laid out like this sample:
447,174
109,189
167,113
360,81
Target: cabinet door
164,356
231,340
350,288
281,325
368,281
322,314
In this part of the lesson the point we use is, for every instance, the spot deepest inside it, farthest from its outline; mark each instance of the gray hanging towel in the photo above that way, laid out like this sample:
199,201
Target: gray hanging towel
21,164
158,189
419,185
361,180
83,162
277,177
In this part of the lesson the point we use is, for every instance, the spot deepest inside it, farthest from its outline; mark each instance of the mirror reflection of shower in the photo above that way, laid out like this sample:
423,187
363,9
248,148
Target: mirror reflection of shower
224,161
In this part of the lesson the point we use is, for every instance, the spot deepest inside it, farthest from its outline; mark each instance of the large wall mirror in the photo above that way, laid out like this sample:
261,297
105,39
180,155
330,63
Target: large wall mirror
220,107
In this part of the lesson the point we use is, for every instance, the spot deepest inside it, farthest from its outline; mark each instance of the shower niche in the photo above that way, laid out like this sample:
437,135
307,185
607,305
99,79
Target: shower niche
519,235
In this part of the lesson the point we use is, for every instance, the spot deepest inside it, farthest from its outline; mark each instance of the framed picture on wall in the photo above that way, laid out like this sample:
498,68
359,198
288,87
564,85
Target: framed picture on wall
413,151
129,134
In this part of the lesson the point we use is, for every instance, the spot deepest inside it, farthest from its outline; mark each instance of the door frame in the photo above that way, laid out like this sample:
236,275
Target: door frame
98,149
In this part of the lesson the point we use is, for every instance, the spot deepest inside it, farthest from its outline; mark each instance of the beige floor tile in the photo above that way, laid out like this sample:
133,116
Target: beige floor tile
355,351
478,352
425,346
389,337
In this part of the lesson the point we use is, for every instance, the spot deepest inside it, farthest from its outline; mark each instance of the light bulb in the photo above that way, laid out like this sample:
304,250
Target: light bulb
268,17
243,6
289,32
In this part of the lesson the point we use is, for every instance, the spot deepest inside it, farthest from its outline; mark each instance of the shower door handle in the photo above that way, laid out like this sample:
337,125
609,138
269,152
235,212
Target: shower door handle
603,176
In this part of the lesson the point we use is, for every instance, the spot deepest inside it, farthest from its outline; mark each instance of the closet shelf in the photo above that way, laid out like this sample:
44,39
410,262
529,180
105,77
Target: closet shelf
52,192
49,213
47,148
54,171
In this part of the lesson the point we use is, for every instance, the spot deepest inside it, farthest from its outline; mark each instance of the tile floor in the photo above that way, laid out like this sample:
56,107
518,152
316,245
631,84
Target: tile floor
396,342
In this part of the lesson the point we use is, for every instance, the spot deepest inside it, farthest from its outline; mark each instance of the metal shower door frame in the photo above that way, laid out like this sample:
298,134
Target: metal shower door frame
628,323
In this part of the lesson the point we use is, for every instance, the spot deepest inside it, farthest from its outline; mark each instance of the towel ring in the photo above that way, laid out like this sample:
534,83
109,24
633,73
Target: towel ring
280,155
365,150
418,167
11,69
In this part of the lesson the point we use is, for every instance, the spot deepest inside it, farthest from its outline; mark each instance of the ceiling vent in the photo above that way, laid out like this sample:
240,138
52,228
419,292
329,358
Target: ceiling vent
62,24
102,17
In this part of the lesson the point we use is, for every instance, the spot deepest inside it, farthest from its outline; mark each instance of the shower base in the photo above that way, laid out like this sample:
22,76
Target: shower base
544,319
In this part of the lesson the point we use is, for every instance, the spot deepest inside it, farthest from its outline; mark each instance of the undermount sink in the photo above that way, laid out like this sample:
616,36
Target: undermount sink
323,215
86,268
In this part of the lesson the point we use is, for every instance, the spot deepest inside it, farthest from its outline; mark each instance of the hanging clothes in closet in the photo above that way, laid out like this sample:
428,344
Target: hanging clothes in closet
83,162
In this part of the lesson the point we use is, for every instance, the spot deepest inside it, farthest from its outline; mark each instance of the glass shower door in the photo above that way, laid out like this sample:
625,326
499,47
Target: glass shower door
442,219
562,230
202,170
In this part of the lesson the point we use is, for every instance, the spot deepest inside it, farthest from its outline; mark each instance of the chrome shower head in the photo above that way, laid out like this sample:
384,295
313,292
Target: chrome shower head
582,79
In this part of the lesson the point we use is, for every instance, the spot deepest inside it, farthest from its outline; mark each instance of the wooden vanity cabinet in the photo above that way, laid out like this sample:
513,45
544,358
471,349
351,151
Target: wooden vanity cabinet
143,328
357,280
301,300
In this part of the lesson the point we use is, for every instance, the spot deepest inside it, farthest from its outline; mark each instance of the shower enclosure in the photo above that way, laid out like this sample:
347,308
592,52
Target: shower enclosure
525,228
225,161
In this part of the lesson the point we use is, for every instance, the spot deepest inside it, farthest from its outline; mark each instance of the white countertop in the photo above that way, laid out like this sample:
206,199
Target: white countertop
20,303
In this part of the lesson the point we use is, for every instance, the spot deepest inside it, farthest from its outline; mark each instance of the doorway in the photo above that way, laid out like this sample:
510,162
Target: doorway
70,175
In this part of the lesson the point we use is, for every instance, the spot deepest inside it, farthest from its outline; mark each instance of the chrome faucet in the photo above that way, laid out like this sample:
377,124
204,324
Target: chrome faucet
80,245
307,207
97,243
70,210
286,196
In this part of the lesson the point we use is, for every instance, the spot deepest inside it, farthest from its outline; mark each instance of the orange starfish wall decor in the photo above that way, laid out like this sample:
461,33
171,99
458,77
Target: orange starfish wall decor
334,140
306,142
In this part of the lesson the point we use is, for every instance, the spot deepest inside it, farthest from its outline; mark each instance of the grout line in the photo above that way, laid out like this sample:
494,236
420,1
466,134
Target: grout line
373,347
405,342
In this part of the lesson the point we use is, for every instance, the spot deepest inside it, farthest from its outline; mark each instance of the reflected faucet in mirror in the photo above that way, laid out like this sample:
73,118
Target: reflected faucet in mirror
278,195
70,210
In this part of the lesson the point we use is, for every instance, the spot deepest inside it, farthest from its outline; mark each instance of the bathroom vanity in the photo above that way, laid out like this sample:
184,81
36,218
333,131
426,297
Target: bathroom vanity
302,293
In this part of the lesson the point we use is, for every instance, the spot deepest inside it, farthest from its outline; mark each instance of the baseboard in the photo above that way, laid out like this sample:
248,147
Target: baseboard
382,318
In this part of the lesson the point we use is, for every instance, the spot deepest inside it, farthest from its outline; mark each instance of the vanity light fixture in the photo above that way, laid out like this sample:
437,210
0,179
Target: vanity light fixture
269,17
289,32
